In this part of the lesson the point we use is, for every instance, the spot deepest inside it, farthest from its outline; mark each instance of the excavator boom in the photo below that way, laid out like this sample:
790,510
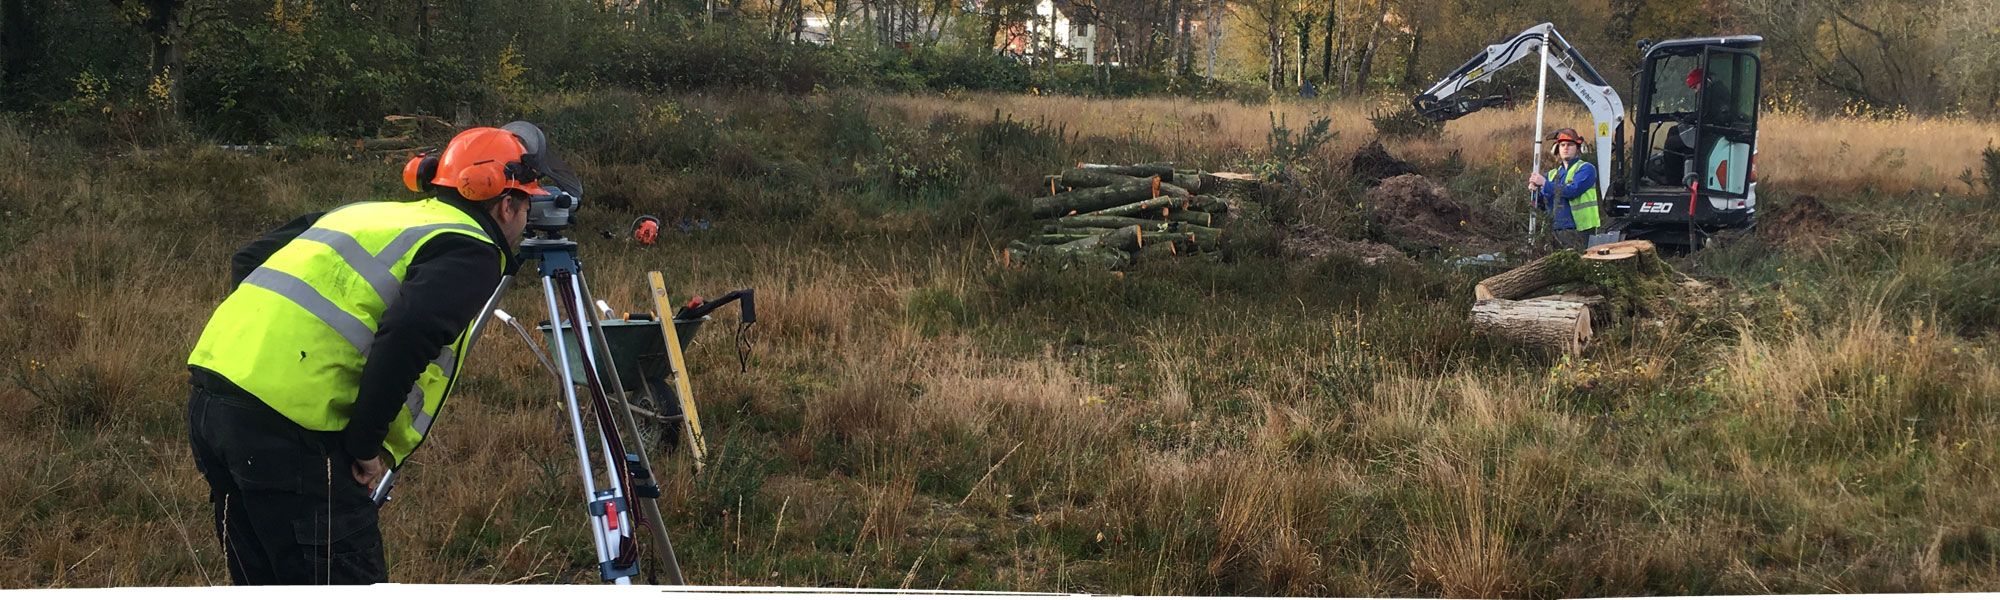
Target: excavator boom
1441,101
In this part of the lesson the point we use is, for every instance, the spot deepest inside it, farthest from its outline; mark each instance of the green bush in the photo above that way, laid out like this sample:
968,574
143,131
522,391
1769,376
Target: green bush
1990,165
961,68
718,57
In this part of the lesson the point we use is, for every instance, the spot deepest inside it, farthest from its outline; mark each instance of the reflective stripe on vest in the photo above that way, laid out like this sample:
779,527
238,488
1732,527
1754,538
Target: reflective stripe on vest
1582,209
296,334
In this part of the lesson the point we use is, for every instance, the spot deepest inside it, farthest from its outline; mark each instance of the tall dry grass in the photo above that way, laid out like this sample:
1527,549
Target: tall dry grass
1797,152
914,417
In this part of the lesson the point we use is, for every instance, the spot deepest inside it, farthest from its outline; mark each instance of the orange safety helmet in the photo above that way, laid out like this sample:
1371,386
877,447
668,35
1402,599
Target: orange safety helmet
481,163
1566,135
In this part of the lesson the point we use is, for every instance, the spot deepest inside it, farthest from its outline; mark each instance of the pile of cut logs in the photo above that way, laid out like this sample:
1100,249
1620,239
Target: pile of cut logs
1106,216
1550,301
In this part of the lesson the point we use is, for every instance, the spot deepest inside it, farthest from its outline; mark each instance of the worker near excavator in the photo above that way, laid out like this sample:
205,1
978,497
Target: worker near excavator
1572,201
341,336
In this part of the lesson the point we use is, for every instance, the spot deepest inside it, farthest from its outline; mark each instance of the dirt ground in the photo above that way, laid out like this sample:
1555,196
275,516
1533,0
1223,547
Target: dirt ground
1416,213
1803,221
1304,241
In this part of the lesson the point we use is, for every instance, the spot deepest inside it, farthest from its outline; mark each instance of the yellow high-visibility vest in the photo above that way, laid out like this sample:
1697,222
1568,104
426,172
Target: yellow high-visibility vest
296,332
1582,209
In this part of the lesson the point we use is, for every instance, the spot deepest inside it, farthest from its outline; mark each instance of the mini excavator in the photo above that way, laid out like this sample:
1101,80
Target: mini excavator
1689,170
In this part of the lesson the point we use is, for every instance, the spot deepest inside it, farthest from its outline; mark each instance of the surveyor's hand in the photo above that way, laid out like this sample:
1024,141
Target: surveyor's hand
368,472
1535,181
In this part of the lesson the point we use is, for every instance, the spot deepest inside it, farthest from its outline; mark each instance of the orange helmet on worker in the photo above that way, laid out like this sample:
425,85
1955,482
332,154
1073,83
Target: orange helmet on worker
481,163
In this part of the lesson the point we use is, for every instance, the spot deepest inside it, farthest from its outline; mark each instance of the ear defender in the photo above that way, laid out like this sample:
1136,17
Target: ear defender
418,173
482,181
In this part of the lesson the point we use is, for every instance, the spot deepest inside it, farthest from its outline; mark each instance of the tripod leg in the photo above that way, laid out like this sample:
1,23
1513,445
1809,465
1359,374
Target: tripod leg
645,490
600,529
616,502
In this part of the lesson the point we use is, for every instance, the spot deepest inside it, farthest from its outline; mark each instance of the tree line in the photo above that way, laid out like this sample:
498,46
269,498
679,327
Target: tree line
271,68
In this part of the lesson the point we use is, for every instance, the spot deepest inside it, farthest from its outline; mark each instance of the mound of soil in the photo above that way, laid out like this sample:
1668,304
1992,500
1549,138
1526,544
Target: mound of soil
1416,213
1313,242
1373,163
1804,220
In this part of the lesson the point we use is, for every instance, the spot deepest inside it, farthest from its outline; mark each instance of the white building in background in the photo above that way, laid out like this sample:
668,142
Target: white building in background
816,28
1066,28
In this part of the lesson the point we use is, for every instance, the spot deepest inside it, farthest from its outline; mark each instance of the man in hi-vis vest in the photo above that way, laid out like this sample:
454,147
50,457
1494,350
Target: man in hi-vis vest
336,348
1572,201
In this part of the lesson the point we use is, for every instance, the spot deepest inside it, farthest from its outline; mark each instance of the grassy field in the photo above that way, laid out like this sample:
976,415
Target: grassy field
915,416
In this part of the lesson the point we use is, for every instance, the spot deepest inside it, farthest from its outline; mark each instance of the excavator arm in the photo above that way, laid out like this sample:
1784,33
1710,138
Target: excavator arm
1440,102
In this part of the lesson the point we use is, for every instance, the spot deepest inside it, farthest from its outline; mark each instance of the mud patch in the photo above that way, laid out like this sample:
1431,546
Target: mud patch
1311,242
1417,214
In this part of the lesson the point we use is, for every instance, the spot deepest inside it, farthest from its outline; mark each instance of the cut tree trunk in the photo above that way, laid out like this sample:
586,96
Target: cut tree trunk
1524,280
1080,231
1086,200
1193,217
1555,325
1590,300
1109,222
1066,256
1241,185
1055,239
1154,207
1204,238
1127,239
1086,178
1208,204
1187,180
1160,170
1627,276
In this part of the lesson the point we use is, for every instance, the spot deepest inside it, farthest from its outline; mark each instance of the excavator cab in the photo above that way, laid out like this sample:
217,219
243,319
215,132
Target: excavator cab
1695,140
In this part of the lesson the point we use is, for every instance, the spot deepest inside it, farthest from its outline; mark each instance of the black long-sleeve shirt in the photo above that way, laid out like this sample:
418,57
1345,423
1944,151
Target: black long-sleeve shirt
449,280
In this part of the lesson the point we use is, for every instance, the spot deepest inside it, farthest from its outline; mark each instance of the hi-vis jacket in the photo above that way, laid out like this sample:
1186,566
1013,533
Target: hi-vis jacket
300,330
1573,184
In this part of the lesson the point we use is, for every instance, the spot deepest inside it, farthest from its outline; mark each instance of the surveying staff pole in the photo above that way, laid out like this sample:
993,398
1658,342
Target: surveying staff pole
380,494
1541,91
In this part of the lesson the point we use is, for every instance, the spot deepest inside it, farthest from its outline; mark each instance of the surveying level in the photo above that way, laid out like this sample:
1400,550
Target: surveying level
613,359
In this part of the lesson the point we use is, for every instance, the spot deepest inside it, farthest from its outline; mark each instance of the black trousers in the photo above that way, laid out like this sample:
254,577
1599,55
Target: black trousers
287,508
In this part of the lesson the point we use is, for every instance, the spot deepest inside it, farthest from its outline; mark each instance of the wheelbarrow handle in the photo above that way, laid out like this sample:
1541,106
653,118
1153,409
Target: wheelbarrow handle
747,295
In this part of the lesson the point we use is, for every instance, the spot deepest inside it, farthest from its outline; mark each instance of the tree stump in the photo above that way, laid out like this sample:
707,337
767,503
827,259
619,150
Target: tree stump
1556,325
1616,251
